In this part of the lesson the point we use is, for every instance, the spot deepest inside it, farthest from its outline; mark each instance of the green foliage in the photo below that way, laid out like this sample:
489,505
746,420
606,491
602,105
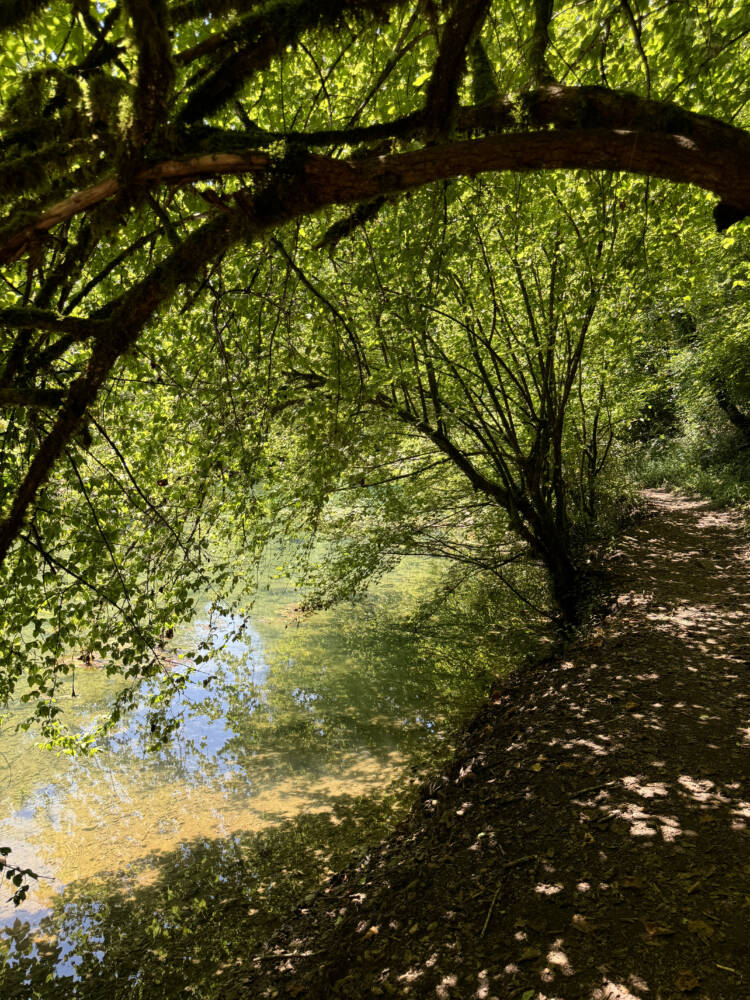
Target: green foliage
458,372
468,377
698,461
693,355
17,876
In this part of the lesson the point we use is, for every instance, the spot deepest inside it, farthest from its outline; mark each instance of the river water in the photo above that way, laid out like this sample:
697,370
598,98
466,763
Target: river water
160,868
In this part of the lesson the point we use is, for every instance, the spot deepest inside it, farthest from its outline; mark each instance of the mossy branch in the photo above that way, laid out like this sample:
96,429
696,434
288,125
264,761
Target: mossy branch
40,319
693,149
156,74
36,399
461,27
32,172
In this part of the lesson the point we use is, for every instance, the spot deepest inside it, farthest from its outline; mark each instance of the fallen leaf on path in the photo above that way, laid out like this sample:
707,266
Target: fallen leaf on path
686,981
699,927
529,954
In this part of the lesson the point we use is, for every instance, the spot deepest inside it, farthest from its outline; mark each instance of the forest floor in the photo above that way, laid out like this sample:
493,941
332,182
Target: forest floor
591,837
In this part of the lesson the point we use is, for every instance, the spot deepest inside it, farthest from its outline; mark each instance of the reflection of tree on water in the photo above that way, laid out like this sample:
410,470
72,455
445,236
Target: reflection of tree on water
375,678
184,931
289,724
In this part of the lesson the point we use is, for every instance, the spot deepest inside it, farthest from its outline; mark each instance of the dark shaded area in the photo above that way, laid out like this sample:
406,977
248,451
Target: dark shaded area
726,215
591,837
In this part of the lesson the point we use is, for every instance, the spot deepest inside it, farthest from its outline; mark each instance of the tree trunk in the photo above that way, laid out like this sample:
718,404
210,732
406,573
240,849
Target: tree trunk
735,416
567,580
567,589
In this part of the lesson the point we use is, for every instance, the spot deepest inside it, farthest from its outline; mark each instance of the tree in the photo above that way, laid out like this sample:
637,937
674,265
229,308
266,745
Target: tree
146,146
465,343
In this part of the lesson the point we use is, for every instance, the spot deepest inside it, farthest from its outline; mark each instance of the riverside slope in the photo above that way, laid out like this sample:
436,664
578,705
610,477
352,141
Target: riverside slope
590,840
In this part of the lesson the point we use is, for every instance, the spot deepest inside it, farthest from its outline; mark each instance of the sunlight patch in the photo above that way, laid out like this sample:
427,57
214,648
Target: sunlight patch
740,816
442,990
670,828
646,791
410,976
549,888
613,991
483,990
701,789
557,958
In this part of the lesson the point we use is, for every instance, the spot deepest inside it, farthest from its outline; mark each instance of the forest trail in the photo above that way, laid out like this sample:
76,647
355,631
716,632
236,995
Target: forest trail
591,838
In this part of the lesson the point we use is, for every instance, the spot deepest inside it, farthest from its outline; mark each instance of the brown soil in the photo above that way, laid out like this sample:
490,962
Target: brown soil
591,838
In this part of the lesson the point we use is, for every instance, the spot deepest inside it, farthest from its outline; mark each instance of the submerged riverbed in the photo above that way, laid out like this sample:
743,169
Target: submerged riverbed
163,867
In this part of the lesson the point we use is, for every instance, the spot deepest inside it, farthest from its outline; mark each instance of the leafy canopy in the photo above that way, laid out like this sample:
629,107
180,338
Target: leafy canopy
238,233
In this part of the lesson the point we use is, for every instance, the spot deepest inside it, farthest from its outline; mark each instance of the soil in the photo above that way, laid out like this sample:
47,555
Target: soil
591,837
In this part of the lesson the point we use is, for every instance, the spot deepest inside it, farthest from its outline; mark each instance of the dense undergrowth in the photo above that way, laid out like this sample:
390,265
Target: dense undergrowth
713,462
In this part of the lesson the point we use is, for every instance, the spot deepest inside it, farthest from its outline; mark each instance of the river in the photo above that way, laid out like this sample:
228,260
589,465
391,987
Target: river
162,868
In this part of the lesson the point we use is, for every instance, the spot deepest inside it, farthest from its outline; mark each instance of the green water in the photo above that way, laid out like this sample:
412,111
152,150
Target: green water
163,869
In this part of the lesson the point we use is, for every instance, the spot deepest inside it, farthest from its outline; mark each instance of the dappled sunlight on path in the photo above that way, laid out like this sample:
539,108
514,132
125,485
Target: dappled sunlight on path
591,840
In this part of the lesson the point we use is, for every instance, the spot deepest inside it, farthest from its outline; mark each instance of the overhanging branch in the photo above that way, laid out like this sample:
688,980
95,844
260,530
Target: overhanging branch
40,319
169,172
595,129
31,398
125,318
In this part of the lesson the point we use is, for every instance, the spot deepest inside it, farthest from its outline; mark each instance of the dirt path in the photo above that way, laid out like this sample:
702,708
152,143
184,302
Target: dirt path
591,840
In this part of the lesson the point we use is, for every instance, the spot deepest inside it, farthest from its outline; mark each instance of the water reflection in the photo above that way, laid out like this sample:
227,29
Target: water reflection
281,767
188,923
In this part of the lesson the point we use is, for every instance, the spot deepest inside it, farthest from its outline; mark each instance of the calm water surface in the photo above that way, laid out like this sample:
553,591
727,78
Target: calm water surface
279,772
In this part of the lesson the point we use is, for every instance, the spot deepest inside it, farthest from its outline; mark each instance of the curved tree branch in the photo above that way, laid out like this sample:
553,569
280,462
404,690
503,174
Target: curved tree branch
126,318
596,129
